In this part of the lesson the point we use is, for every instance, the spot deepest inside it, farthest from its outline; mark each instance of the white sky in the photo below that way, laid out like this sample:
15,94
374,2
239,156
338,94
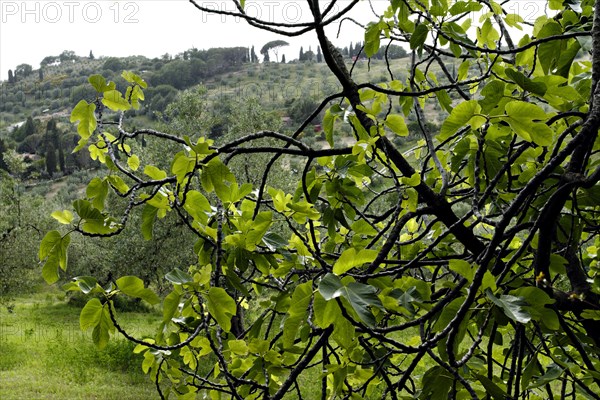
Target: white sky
31,30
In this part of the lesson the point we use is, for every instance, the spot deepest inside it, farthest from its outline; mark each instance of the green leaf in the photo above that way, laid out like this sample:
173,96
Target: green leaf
462,268
64,217
97,190
53,252
202,146
525,83
154,172
359,295
217,177
114,100
87,284
438,8
534,296
463,70
94,221
258,228
550,52
462,115
591,314
566,58
148,217
329,286
417,39
512,307
197,206
182,165
221,306
170,305
99,83
372,39
179,277
149,361
133,162
493,92
344,333
237,347
412,181
487,35
133,78
84,114
523,117
437,383
491,388
514,20
328,124
444,99
100,334
406,299
134,94
118,183
274,241
447,314
558,264
396,124
90,314
536,300
350,258
297,313
134,287
553,372
326,312
461,7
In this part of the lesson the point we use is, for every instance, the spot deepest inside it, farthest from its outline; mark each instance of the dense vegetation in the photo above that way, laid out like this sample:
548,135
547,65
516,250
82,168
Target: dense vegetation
460,266
226,105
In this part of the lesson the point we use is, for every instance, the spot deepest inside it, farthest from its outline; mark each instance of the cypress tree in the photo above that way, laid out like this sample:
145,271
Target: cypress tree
61,157
3,164
25,130
253,56
50,159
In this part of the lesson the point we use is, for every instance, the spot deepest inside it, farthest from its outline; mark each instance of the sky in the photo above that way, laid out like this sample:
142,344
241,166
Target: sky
31,30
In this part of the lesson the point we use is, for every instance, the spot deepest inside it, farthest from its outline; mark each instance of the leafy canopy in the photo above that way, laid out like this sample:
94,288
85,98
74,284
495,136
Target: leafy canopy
462,265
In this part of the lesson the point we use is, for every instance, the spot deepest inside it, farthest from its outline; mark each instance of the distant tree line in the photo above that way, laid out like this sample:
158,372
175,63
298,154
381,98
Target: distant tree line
67,55
394,51
193,66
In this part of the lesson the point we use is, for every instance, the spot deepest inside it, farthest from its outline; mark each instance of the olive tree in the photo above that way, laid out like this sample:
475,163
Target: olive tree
464,266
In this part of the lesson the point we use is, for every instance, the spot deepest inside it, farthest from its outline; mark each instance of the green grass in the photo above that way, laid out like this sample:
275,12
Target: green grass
45,355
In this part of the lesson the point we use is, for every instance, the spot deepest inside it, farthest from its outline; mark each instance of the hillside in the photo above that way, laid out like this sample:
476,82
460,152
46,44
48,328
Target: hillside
44,97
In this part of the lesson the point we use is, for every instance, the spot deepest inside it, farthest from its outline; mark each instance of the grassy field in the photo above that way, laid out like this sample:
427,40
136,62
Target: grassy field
45,355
